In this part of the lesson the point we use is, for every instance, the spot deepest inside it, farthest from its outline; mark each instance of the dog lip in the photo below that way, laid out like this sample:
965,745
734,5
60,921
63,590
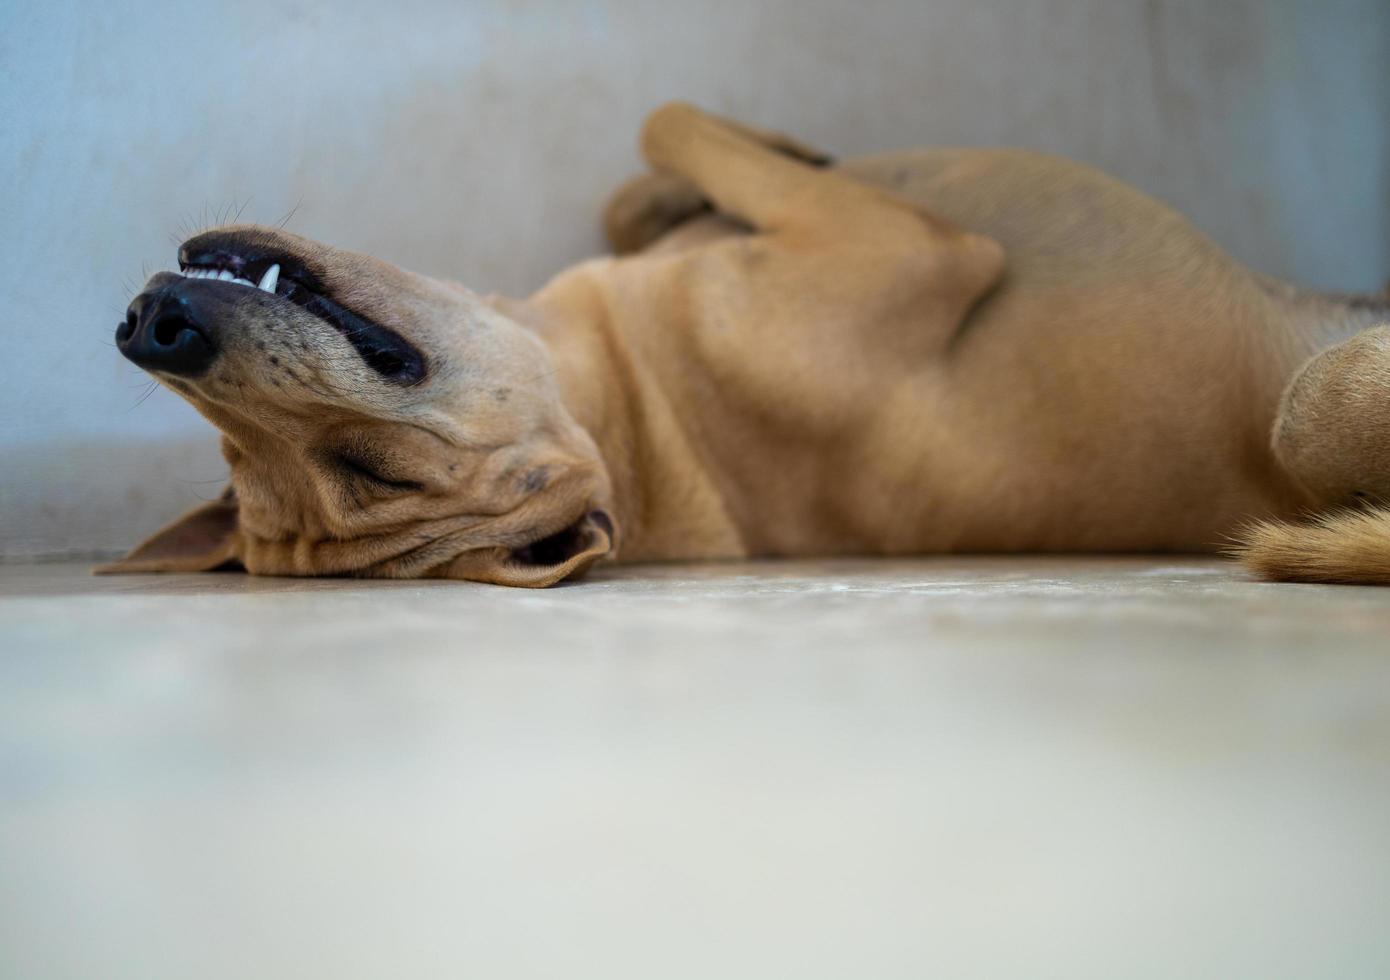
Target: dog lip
549,547
246,259
382,349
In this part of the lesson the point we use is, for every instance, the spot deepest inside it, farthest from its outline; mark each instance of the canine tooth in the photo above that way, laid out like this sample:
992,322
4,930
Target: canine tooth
271,277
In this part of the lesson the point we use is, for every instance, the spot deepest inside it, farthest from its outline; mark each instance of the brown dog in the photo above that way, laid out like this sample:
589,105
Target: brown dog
945,350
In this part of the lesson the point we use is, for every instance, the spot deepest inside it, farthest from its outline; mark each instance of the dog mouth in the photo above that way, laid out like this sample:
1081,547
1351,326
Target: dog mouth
386,352
553,548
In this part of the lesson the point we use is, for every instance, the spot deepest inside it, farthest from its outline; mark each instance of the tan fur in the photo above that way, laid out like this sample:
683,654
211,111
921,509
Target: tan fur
1344,547
1333,432
1333,437
940,350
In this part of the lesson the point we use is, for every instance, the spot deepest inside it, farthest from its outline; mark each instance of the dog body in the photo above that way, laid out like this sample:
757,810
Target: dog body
943,350
1111,386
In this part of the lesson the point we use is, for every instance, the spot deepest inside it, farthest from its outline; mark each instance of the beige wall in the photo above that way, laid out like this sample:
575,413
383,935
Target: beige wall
478,139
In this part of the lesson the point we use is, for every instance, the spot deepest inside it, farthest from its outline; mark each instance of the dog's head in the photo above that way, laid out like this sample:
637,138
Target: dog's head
376,422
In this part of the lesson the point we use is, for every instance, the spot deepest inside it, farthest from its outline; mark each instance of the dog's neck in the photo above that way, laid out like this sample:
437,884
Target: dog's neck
663,499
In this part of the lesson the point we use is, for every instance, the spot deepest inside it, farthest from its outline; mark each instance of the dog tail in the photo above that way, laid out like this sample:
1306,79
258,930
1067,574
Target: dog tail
1350,547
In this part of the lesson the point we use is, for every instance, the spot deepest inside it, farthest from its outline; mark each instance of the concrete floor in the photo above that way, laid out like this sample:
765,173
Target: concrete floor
957,767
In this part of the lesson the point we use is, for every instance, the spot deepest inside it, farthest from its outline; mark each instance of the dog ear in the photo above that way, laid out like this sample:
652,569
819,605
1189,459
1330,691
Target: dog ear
566,554
201,540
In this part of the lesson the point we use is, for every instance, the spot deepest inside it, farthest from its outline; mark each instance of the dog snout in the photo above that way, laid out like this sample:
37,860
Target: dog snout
169,328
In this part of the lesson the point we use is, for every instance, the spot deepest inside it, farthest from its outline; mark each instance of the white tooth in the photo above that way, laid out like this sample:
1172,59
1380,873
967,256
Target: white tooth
271,277
243,282
226,275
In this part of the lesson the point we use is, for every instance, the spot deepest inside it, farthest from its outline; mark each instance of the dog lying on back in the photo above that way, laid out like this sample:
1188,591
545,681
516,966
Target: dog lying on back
937,351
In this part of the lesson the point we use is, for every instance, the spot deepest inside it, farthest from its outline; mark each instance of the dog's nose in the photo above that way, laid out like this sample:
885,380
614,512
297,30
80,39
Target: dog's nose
167,329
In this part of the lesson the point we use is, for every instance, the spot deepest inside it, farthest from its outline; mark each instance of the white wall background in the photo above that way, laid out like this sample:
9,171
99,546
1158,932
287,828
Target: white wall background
478,139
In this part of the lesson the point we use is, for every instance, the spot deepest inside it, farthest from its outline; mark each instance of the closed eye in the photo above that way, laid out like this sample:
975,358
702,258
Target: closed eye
358,468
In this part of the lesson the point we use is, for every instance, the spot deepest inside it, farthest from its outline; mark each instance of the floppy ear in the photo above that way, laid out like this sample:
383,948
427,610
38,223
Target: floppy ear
201,540
566,554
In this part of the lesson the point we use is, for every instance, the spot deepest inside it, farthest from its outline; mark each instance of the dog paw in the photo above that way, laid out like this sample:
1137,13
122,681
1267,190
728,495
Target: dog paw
645,207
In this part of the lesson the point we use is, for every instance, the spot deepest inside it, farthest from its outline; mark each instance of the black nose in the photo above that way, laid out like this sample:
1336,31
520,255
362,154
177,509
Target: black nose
167,329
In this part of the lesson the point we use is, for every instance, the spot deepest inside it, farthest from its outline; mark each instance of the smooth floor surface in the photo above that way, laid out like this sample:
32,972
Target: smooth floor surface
962,767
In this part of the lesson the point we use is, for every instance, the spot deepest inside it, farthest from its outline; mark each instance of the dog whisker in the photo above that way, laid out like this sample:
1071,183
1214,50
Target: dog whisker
286,219
141,400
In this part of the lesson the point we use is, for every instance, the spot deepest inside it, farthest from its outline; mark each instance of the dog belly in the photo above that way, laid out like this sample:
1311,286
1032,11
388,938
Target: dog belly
913,485
1053,428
